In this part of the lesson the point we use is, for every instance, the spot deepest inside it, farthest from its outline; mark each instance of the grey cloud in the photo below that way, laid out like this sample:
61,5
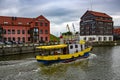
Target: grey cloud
59,11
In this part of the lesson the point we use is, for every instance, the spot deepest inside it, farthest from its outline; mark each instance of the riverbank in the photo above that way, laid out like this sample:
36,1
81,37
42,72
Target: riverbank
108,43
31,48
22,48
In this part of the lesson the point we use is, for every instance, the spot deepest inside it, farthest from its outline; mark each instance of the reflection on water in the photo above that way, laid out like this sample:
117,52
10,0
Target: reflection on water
104,64
16,57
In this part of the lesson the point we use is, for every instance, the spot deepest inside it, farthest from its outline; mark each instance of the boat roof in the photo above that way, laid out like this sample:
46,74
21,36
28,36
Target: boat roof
53,46
82,42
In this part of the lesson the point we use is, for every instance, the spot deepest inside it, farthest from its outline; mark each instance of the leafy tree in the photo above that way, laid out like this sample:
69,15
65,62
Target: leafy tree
67,33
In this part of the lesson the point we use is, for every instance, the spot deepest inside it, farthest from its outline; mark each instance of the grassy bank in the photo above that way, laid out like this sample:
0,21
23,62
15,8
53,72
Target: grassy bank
53,38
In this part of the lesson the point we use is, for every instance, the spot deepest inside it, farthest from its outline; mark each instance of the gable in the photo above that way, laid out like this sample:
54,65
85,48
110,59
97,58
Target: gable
41,18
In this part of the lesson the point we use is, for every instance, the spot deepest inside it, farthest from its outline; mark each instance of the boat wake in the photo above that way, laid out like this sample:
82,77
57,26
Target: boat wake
92,56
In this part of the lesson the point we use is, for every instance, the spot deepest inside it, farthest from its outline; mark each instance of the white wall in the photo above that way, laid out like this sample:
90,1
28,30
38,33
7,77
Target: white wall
97,37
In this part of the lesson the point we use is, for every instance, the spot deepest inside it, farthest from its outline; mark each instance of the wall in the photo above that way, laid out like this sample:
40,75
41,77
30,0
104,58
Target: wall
96,37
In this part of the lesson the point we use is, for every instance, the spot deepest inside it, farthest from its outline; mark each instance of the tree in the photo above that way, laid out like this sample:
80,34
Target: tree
67,33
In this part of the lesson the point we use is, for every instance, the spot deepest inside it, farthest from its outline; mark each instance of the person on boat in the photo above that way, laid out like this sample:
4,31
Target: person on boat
55,53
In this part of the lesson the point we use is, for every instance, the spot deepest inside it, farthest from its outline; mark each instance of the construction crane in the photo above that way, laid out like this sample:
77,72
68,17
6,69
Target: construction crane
68,28
73,28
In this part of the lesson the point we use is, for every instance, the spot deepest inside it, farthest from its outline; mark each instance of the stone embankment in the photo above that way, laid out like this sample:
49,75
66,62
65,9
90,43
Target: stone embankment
20,49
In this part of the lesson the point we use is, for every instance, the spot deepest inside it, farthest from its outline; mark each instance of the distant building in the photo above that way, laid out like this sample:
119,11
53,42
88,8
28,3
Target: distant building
116,34
24,29
96,26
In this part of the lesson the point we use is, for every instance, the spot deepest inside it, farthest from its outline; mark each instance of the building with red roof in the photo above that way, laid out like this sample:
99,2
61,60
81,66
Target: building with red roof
96,26
24,29
117,31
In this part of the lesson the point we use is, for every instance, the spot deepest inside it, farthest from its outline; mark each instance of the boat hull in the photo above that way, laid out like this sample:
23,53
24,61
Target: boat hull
49,62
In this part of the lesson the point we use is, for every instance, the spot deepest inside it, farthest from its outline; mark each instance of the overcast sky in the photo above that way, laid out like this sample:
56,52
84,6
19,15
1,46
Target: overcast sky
60,12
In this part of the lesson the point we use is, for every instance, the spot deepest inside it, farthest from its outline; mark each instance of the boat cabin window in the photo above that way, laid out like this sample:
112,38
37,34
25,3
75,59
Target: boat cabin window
76,46
71,47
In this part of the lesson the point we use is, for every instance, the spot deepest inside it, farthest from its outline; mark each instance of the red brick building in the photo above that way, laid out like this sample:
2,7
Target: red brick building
24,29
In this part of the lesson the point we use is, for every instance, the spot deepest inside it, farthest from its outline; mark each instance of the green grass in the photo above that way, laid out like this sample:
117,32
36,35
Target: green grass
53,38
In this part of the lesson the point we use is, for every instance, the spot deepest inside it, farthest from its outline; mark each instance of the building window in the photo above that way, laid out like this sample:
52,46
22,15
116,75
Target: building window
23,31
27,23
28,31
36,30
104,38
46,24
5,22
4,31
100,22
41,24
9,38
28,38
13,38
9,31
46,31
5,39
36,23
13,31
110,24
23,39
46,38
41,31
110,38
85,38
76,46
99,38
41,38
18,38
19,22
71,47
18,31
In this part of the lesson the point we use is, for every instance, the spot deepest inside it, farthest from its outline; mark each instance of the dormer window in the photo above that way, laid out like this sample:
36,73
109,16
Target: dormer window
28,23
19,22
5,22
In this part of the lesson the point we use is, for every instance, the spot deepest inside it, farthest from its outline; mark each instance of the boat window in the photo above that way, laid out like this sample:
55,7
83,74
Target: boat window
71,47
76,46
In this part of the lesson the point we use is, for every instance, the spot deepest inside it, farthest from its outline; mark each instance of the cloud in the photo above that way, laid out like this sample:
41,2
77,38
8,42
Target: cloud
59,12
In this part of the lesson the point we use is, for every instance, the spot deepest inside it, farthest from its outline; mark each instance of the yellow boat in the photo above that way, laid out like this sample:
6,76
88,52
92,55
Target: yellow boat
63,52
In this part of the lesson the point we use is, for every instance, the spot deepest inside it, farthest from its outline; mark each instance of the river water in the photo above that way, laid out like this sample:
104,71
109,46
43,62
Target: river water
103,64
